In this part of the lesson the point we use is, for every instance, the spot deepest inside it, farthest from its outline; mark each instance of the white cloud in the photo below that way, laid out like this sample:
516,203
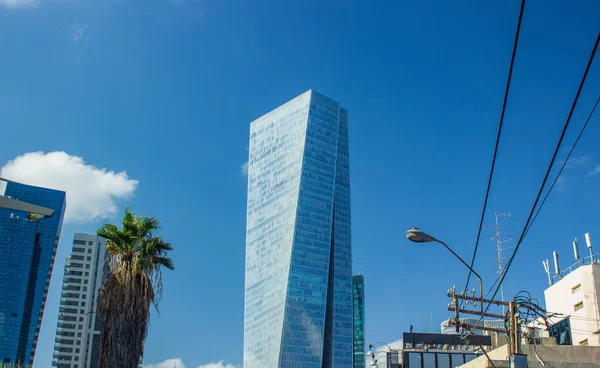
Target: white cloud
574,161
218,365
79,33
92,192
177,363
169,363
595,170
244,169
562,182
19,4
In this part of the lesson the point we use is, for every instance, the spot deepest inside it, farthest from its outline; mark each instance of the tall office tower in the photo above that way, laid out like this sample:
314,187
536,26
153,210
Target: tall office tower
27,249
298,289
358,339
78,333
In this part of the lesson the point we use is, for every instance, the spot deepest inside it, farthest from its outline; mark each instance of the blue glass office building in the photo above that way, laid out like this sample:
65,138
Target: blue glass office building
27,252
298,288
358,343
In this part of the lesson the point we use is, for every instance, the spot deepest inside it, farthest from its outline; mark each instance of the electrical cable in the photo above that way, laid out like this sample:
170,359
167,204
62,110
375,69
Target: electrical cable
563,165
484,352
504,103
551,164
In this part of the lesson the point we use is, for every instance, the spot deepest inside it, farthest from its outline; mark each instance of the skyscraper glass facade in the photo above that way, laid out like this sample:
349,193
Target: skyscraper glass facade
298,291
27,251
358,341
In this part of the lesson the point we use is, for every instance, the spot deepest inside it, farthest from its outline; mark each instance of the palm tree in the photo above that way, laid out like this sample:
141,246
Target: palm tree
133,282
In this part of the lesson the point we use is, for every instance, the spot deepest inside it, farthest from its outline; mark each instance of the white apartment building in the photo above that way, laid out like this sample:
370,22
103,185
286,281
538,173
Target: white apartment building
77,343
576,294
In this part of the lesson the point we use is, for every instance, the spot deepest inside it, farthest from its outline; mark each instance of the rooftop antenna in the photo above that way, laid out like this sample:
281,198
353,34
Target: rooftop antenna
556,266
548,272
588,243
501,239
576,251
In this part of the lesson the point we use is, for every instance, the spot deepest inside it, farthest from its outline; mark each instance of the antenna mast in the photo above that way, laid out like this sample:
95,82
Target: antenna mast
500,239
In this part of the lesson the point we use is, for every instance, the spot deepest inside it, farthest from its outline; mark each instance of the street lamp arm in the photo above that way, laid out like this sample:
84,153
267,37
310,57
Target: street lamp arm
380,343
466,265
458,257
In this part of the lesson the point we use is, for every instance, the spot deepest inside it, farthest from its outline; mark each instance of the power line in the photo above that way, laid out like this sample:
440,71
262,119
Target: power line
563,165
550,165
489,183
555,181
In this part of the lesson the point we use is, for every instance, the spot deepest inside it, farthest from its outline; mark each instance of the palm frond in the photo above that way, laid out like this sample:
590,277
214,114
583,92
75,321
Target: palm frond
134,282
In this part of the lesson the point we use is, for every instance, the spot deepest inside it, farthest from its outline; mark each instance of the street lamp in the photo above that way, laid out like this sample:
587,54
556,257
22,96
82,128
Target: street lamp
375,362
418,236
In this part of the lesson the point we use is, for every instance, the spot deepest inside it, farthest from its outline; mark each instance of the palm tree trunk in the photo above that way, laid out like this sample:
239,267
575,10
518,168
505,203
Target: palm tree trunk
124,308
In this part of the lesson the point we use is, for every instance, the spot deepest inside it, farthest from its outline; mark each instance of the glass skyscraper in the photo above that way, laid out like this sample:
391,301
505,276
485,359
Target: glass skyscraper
358,296
298,289
27,252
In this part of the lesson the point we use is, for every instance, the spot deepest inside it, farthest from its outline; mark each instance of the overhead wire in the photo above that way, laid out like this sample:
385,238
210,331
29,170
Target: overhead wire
548,170
500,124
564,164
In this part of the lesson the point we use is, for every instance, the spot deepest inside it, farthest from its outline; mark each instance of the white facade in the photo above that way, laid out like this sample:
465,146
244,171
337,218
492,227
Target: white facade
77,335
577,295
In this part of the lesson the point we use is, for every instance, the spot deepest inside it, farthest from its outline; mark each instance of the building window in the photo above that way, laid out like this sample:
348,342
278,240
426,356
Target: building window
578,306
90,250
575,288
583,342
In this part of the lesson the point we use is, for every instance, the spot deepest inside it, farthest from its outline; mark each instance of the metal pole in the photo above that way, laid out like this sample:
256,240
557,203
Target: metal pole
469,267
511,333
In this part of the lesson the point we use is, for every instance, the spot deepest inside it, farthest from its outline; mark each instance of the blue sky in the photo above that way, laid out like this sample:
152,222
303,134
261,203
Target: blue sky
165,91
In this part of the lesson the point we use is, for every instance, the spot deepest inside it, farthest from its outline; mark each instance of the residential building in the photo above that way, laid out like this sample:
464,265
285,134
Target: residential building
577,296
78,330
575,293
538,356
298,288
27,251
430,350
358,307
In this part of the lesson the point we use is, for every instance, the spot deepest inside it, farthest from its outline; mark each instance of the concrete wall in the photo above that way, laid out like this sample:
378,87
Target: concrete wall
553,356
561,298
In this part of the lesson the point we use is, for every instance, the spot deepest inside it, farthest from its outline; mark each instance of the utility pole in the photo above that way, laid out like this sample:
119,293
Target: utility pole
514,322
